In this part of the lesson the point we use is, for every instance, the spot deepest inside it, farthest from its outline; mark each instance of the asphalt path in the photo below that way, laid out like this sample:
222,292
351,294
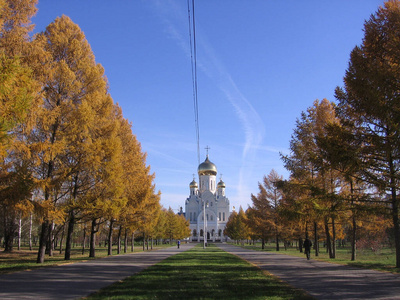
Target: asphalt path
77,280
323,280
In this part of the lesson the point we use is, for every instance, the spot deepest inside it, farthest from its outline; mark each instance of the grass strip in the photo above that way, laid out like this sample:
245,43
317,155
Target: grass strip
22,260
383,260
199,273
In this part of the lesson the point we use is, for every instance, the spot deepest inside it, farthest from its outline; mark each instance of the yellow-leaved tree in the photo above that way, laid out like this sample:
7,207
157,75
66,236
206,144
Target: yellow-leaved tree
18,95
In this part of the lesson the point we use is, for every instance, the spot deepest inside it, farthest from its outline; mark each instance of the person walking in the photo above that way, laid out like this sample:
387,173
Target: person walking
307,247
179,243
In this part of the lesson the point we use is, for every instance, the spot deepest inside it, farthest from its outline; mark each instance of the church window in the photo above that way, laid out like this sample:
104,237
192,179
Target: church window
223,216
219,216
201,232
194,232
219,232
207,217
211,203
212,218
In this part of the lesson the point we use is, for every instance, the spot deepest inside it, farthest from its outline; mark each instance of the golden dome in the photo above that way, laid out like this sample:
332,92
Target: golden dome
193,184
207,168
221,184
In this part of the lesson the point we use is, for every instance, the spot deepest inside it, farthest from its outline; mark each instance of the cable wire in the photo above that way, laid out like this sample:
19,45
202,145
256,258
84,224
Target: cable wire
193,59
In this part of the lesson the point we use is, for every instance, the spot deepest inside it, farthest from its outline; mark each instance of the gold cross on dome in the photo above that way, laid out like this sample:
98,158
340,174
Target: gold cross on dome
207,148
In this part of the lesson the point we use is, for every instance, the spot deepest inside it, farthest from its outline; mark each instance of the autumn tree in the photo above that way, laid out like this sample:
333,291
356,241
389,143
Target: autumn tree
73,85
309,168
236,227
262,215
18,94
273,194
370,99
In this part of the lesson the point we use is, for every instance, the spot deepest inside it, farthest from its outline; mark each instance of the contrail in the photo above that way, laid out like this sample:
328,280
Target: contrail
209,63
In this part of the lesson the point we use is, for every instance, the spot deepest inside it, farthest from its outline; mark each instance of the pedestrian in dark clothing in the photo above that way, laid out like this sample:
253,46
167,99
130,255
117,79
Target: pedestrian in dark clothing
307,247
179,243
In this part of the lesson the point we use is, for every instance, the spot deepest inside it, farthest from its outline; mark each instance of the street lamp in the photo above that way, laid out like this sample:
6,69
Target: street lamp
204,224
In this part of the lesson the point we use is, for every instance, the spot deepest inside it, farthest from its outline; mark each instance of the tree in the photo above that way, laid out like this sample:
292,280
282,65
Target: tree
310,168
262,214
74,90
236,227
19,93
274,196
370,99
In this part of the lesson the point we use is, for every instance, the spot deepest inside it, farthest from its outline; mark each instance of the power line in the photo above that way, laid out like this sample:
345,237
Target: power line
193,59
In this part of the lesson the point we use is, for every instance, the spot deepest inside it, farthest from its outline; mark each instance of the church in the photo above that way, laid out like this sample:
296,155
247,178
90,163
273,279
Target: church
207,208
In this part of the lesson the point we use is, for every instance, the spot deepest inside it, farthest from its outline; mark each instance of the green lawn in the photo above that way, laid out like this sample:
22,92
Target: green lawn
201,274
25,259
384,260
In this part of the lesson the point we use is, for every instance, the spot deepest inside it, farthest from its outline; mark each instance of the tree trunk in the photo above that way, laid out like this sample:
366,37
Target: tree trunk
328,239
301,245
30,231
10,227
119,240
93,230
110,232
354,229
262,243
62,238
396,225
70,232
44,236
133,242
49,242
126,240
19,232
333,238
277,241
84,239
316,244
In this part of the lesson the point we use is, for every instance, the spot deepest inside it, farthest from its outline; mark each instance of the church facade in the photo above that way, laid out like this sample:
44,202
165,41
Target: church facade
207,207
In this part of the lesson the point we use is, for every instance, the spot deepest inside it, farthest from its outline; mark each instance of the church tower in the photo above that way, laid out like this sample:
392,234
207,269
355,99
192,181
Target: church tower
207,176
207,206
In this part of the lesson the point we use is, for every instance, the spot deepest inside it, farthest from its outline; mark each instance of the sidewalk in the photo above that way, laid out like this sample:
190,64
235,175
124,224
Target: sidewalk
323,280
78,280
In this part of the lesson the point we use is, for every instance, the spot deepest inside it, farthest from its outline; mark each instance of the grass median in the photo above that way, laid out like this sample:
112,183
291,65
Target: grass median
382,260
199,273
24,259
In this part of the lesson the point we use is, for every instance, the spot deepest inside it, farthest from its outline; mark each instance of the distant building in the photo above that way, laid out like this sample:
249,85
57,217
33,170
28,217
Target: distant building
209,197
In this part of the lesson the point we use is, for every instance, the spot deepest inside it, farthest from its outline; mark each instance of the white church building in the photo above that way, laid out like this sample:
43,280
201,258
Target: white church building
207,206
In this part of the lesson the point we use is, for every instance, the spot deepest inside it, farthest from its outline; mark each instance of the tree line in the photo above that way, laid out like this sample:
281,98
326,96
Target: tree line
344,159
67,154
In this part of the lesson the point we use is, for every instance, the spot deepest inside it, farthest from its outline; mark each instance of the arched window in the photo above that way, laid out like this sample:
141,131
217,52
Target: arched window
194,232
219,232
201,232
212,218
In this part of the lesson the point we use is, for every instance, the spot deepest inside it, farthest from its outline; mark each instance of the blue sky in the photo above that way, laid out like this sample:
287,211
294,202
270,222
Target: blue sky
260,64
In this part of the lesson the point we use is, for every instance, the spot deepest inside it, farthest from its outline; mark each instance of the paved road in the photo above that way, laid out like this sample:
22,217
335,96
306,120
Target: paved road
79,279
323,280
